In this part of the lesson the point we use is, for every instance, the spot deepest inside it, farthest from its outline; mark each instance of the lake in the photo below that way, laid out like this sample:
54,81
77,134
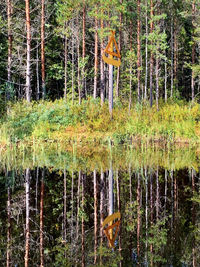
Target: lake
54,202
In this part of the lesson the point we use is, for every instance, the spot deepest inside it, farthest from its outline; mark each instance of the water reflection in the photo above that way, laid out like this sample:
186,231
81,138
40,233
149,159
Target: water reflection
54,216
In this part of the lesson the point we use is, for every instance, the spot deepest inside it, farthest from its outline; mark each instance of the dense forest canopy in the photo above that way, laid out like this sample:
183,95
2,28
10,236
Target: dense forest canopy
58,50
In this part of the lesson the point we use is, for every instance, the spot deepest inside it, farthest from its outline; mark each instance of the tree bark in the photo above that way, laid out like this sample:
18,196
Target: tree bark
151,57
95,216
111,86
10,40
65,54
119,46
146,50
138,49
27,229
172,58
28,45
8,256
83,48
193,50
95,57
102,67
43,47
42,222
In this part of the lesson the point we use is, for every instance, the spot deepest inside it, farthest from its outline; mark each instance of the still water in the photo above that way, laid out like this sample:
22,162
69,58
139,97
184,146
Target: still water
53,204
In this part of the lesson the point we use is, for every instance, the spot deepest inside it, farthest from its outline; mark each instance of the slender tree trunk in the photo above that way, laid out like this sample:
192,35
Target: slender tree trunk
120,42
119,209
157,79
102,67
138,49
83,48
111,85
65,207
72,208
83,223
78,204
65,54
146,50
193,50
72,66
175,54
130,68
157,195
172,56
28,61
27,230
165,192
151,57
165,76
42,222
101,210
146,214
96,57
8,257
10,40
43,47
37,72
95,217
138,215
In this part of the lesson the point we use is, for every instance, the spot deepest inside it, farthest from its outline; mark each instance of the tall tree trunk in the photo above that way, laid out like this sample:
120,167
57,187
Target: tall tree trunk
95,57
43,47
83,48
83,223
119,46
72,208
65,74
10,39
138,49
73,65
101,210
130,68
65,207
157,194
78,204
95,217
157,79
28,45
151,57
175,54
102,67
78,70
165,76
193,50
138,215
146,50
42,222
37,72
172,57
119,209
27,229
8,257
111,85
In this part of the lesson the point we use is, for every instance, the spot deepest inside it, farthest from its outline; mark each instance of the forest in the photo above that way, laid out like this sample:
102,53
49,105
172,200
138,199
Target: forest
53,51
100,117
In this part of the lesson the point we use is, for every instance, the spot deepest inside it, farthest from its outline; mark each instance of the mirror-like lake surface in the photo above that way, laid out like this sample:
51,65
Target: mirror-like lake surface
53,205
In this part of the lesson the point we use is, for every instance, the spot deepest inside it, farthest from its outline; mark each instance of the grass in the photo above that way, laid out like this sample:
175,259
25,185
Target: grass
89,123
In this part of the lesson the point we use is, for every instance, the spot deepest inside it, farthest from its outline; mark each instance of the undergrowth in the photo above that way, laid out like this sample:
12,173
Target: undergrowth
89,122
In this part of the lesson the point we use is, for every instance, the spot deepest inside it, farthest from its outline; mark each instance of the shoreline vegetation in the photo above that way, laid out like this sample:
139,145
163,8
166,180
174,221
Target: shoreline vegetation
90,124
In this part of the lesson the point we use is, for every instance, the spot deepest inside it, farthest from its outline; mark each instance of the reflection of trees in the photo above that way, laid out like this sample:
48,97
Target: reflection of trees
160,217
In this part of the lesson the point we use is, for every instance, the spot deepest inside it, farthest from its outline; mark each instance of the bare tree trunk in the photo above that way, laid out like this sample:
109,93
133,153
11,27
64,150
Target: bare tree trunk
146,214
172,57
193,50
194,263
101,210
165,76
37,72
65,52
95,217
138,215
72,66
72,208
102,67
120,41
43,47
78,204
131,68
10,40
8,257
111,85
165,191
157,79
138,49
83,47
151,58
157,195
83,224
65,207
175,55
42,222
146,50
27,231
119,209
96,57
28,61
